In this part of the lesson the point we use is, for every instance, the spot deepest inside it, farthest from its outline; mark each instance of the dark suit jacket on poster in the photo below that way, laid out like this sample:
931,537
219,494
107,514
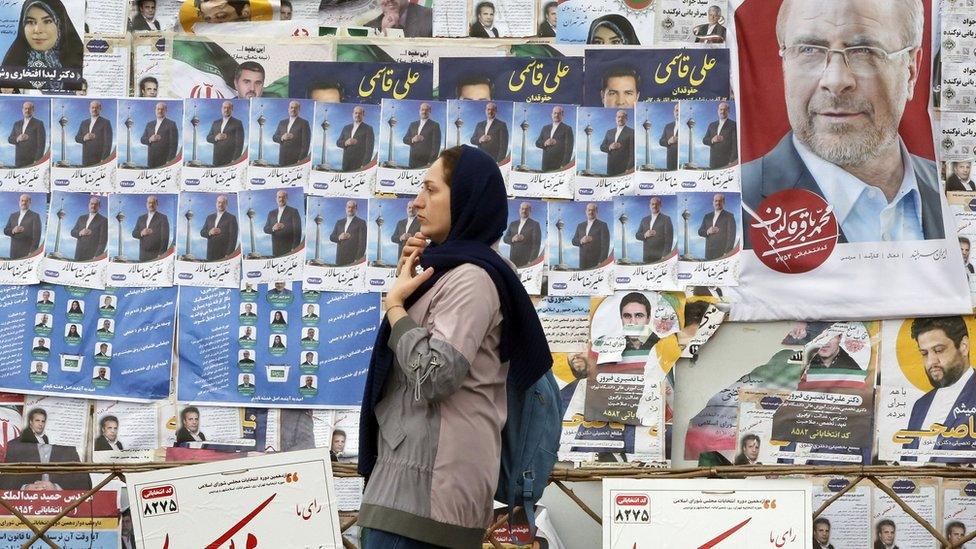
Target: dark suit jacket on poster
29,151
183,435
98,149
497,147
419,22
477,31
622,159
139,23
592,253
27,452
354,247
423,153
954,184
156,243
816,546
401,228
545,30
221,245
558,154
230,149
722,242
164,150
101,443
354,157
726,151
966,400
288,237
659,245
879,545
294,150
782,169
92,245
23,243
522,253
672,147
701,31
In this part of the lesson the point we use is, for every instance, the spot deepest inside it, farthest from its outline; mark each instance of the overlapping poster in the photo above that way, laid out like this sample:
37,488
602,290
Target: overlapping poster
215,142
124,431
958,504
519,79
275,346
412,135
45,58
710,232
83,145
690,22
92,525
892,526
25,158
113,344
847,521
605,153
208,244
813,219
142,235
335,257
486,125
544,151
645,229
391,222
76,245
345,140
280,143
581,252
275,250
107,66
657,137
620,77
524,241
225,11
360,82
606,22
22,243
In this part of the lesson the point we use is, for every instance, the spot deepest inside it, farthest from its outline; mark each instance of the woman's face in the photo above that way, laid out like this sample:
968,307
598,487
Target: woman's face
434,204
604,35
40,29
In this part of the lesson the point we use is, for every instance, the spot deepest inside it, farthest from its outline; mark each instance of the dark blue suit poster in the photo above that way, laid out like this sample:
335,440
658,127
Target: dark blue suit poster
657,75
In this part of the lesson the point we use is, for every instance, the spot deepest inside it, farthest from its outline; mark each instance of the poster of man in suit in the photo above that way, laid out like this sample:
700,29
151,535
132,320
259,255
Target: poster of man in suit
77,232
524,239
335,258
412,144
544,150
274,233
604,152
208,240
279,150
83,150
214,144
713,141
146,233
160,135
582,241
708,230
646,259
28,134
345,139
391,222
25,224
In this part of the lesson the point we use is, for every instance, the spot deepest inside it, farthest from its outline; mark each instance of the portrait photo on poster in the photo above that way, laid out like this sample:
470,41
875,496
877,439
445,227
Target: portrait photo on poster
214,144
42,44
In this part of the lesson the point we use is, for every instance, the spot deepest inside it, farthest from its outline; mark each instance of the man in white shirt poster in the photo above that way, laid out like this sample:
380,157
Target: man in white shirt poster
491,134
349,235
284,224
294,135
91,232
24,229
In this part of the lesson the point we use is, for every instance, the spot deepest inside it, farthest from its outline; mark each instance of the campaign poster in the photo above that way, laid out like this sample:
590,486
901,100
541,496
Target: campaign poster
360,82
606,22
926,409
83,146
142,235
524,241
48,60
544,151
91,525
76,245
225,11
391,222
621,77
25,158
801,234
658,135
238,67
964,211
412,135
275,346
72,341
345,140
892,525
347,13
958,509
214,144
275,251
707,512
605,154
272,497
566,322
208,246
518,79
496,19
124,431
690,22
335,257
150,61
581,251
21,246
280,157
710,232
108,66
487,125
151,17
108,18
645,229
958,145
710,140
847,521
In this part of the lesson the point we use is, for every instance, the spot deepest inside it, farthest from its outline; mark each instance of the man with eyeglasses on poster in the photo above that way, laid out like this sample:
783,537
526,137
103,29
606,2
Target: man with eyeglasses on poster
849,68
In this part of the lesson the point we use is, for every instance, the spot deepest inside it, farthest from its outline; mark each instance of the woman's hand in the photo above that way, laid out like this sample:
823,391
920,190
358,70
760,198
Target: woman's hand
407,282
416,242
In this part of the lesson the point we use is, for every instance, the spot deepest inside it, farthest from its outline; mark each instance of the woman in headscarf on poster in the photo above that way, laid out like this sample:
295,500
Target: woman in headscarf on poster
612,29
46,39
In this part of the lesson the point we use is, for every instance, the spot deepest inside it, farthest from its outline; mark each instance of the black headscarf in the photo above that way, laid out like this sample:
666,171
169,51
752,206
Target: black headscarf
618,24
67,52
479,211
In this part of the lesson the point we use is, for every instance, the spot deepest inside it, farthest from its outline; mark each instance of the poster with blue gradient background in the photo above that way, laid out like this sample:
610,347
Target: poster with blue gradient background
392,211
340,115
362,82
141,343
76,111
407,112
75,206
535,80
572,214
274,111
538,116
637,208
473,112
209,347
264,201
665,74
11,112
600,120
202,205
332,210
699,204
133,206
658,115
540,213
10,211
703,113
142,112
208,111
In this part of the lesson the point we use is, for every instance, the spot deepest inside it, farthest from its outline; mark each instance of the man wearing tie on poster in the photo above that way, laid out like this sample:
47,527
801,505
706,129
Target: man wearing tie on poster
356,142
718,229
669,139
91,230
524,235
95,136
349,234
491,134
405,228
618,143
161,137
592,238
227,136
556,142
722,140
24,229
220,230
293,136
424,138
657,233
28,137
152,231
284,225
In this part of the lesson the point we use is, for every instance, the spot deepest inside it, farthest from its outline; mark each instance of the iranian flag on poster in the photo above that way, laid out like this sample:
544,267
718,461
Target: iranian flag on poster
10,420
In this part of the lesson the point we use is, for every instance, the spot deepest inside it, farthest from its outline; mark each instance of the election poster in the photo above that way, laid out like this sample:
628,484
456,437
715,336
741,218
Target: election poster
213,12
76,254
22,243
107,66
958,504
124,431
345,141
92,525
658,134
25,158
544,151
275,250
846,522
706,513
208,248
605,154
336,262
606,22
275,346
492,131
49,60
710,234
802,149
83,146
245,500
524,241
581,253
150,151
68,340
892,525
280,157
150,63
360,82
519,79
387,235
648,257
143,238
215,161
690,22
412,136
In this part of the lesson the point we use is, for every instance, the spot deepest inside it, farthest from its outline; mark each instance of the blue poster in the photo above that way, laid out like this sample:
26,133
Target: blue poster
114,344
534,80
612,75
360,82
275,346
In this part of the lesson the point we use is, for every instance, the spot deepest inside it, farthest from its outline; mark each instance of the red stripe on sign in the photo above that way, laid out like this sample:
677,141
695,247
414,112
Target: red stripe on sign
721,537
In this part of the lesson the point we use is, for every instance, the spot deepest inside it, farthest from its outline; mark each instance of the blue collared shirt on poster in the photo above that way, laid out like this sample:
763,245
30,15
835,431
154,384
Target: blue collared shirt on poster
863,212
